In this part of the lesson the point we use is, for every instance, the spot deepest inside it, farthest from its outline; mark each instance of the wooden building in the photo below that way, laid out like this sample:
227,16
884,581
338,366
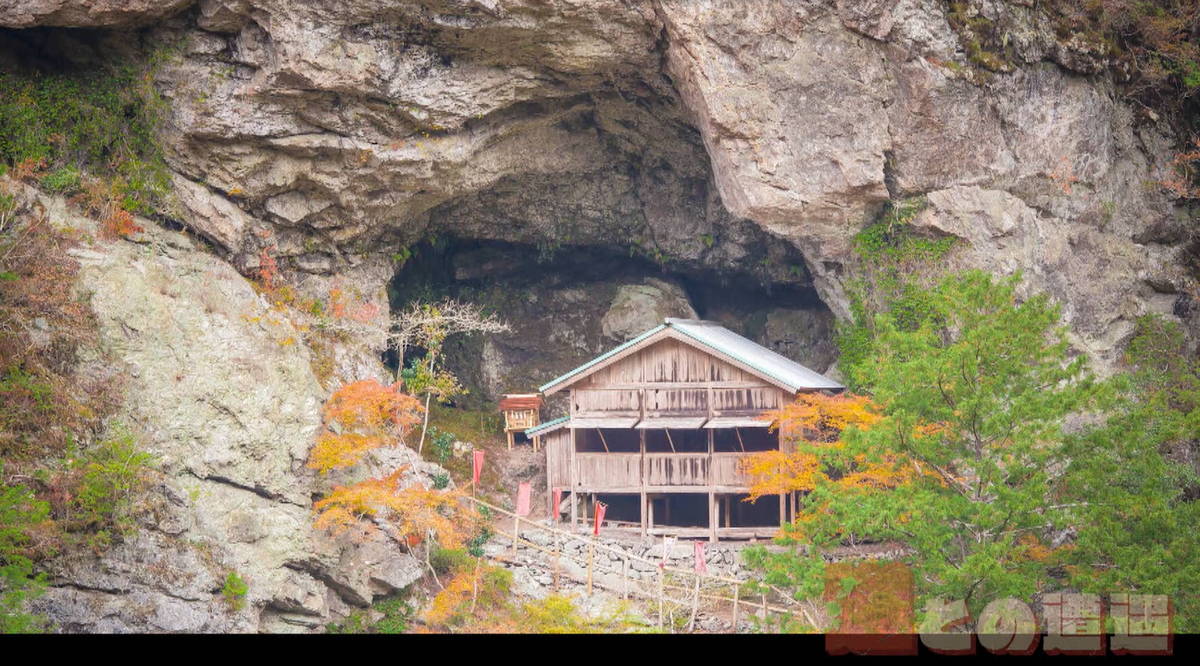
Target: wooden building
522,411
657,426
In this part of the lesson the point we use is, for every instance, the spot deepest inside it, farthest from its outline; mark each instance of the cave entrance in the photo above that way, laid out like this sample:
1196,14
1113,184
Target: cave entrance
562,306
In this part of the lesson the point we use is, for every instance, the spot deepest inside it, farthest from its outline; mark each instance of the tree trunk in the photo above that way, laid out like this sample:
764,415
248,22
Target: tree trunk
428,398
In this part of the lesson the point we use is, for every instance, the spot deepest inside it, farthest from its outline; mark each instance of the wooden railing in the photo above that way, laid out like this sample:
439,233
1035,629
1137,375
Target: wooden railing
609,470
626,470
714,593
676,469
681,399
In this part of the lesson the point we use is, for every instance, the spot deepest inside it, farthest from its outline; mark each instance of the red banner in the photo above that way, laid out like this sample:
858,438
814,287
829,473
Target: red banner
701,565
555,504
478,467
523,499
601,507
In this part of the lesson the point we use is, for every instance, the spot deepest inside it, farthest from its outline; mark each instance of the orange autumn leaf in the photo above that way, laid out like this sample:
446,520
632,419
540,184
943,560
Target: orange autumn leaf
820,417
818,420
335,451
369,404
359,417
774,472
415,510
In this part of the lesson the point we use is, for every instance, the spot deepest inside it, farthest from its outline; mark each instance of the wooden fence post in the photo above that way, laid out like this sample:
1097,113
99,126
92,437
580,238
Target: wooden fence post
661,575
625,577
737,593
695,604
591,557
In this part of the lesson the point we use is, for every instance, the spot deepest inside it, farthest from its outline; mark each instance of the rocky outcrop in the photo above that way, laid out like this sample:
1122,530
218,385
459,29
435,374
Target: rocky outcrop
220,389
86,13
691,132
639,307
814,116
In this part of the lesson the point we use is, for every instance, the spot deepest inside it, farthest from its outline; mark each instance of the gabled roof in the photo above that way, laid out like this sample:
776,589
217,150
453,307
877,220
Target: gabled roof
520,401
717,340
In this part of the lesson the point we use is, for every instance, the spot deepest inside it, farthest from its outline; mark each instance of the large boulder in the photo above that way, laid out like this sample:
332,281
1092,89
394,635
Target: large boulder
639,307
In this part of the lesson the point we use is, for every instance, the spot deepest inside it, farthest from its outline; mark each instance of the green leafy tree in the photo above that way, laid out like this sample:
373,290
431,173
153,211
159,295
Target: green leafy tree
973,395
20,512
1135,483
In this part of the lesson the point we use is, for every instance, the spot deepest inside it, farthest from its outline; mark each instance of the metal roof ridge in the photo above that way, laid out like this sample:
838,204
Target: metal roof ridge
615,350
750,363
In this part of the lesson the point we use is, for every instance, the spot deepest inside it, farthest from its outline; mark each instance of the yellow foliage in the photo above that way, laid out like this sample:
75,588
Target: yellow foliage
363,415
818,420
369,404
476,595
335,451
820,417
773,472
413,511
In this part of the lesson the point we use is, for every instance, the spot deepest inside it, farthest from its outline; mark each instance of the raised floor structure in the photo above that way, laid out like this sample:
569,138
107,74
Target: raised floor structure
657,427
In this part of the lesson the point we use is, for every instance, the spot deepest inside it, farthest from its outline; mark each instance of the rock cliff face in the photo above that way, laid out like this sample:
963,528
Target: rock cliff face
704,143
709,136
219,392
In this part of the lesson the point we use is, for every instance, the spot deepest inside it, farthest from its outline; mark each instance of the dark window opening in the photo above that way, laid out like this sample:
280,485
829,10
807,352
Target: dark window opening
725,440
612,440
680,510
623,508
736,440
762,513
675,440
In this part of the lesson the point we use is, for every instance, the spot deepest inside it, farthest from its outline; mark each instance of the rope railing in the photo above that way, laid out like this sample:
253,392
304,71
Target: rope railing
712,590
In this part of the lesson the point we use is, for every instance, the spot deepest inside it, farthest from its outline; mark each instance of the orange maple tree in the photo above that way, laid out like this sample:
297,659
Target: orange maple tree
367,415
415,511
359,417
812,423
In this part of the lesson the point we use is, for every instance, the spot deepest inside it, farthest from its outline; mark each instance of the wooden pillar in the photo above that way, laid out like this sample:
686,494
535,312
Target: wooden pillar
737,594
642,514
782,509
728,511
712,517
642,476
574,483
649,512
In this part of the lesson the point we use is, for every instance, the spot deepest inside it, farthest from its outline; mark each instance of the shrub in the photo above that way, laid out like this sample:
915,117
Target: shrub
441,444
47,395
397,614
62,180
362,416
474,592
98,491
20,514
447,560
101,117
234,591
